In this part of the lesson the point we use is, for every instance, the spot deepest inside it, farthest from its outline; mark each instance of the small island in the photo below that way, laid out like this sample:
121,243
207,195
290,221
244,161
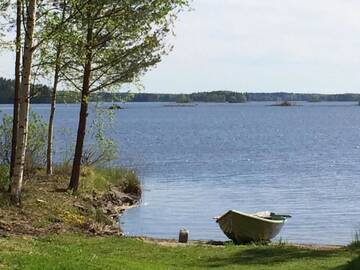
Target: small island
284,103
115,107
182,101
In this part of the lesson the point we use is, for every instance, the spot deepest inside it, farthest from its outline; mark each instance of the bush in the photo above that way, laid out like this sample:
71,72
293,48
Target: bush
355,244
4,177
5,140
99,149
37,141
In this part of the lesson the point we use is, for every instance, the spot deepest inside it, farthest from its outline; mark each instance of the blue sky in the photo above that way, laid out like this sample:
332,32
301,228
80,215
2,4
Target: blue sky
259,45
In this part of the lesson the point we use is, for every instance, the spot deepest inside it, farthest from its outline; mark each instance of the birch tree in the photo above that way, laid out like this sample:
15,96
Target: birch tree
19,6
32,41
113,43
6,10
52,52
22,132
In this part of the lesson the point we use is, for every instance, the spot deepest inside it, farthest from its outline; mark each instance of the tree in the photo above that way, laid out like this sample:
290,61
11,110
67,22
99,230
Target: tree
57,64
113,42
21,140
19,5
4,8
45,11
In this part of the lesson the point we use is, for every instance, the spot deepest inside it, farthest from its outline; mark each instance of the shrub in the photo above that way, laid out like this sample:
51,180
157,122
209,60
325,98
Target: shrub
5,140
355,244
99,149
37,141
4,177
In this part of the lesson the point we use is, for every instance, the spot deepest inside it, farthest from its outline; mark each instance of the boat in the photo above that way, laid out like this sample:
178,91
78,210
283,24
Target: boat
246,228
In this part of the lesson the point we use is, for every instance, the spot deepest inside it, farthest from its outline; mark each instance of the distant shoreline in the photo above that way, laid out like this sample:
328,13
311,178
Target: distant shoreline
194,104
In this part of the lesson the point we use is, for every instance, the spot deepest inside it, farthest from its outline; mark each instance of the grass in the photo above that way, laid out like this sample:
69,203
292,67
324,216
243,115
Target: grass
124,178
99,179
48,212
48,208
71,251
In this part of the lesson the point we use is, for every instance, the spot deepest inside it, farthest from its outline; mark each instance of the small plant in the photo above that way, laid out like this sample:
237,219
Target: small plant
124,178
355,244
5,139
4,177
36,150
101,178
99,148
280,243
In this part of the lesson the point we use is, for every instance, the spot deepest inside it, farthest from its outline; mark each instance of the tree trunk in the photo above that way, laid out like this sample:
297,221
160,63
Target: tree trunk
49,167
75,174
49,162
17,86
17,178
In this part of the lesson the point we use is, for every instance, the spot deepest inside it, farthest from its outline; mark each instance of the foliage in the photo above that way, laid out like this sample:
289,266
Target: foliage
4,177
355,244
124,178
5,140
99,179
83,252
36,150
99,148
183,99
115,41
37,142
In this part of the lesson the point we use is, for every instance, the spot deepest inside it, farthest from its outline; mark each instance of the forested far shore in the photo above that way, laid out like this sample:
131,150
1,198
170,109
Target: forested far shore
41,94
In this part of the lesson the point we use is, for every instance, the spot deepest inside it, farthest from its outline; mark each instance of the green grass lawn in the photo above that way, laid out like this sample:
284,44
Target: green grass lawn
84,252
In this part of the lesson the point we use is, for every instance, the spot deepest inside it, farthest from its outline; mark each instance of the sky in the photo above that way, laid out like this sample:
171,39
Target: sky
258,46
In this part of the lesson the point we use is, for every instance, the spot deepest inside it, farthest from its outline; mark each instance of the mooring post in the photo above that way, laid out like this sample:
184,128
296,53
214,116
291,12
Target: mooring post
183,236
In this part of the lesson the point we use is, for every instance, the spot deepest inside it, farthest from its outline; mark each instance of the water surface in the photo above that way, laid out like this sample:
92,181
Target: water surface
198,162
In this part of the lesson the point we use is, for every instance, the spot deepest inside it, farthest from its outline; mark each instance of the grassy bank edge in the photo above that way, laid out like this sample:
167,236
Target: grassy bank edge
81,251
47,206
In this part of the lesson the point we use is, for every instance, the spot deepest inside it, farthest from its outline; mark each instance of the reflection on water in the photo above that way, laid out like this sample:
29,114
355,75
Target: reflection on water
198,162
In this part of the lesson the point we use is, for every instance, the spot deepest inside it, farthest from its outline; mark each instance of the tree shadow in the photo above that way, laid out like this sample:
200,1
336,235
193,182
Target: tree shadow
352,265
267,256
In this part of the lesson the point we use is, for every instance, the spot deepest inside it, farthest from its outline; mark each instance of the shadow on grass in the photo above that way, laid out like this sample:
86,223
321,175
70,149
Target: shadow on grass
353,265
268,256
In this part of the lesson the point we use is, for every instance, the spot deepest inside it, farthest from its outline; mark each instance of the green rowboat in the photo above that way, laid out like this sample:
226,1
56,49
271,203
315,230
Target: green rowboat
245,228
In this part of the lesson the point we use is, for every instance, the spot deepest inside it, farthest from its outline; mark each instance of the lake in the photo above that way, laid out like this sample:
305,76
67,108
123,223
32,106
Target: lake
198,162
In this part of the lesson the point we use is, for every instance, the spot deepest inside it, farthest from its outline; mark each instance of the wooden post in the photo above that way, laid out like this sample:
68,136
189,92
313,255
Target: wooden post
183,236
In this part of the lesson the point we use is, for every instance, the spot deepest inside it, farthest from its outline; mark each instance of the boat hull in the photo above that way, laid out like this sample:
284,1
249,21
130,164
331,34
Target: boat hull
245,228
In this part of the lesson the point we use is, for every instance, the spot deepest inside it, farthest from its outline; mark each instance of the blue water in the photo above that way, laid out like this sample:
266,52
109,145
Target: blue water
198,162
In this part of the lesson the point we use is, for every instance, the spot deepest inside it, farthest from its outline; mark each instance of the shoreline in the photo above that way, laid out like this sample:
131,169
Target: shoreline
51,209
174,242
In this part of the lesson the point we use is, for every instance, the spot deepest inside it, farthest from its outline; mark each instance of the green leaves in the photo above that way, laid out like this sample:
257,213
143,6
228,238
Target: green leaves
128,38
36,150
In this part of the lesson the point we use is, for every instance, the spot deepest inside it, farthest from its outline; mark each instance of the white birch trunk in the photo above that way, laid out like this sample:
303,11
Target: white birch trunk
17,178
